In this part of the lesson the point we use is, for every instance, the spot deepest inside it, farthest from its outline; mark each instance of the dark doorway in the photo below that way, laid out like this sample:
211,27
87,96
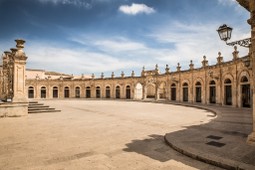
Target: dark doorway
128,92
212,95
55,92
31,92
173,92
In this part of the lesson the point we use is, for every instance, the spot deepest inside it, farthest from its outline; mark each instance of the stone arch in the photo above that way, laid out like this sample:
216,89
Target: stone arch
138,91
107,91
173,91
128,91
88,91
43,92
244,90
150,90
77,91
212,91
55,90
117,91
98,91
66,92
228,86
185,91
162,90
198,91
31,92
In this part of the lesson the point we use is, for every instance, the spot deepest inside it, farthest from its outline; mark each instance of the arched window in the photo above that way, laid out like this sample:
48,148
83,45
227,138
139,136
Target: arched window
117,92
185,92
88,92
228,92
98,92
30,92
77,92
108,92
43,92
128,92
66,92
173,92
198,92
55,92
245,92
212,92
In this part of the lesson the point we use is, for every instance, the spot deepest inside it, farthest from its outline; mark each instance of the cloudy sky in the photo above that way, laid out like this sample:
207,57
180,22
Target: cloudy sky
94,36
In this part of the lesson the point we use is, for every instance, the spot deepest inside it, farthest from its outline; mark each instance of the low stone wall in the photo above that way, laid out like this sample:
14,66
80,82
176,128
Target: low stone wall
13,109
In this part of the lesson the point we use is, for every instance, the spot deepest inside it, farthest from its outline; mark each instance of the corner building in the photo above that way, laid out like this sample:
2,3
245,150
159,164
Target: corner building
225,83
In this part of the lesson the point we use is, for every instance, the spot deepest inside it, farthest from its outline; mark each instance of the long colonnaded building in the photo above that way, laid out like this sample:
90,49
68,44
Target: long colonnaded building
225,83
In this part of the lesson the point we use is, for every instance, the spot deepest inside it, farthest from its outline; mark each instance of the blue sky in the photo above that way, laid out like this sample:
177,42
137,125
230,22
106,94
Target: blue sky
94,36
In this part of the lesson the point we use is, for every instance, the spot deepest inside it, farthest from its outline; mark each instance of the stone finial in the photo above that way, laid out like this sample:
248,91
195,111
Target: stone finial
122,74
37,77
133,73
112,75
20,44
143,70
167,69
156,67
102,75
235,53
82,76
178,67
93,76
219,58
14,50
204,62
49,77
191,65
20,53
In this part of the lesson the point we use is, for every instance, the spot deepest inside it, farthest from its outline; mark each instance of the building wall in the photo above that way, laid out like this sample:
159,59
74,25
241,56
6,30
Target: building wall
158,86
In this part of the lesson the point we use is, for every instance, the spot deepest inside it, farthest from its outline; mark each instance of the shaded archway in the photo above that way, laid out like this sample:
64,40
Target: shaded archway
228,92
55,92
66,92
198,92
108,92
30,92
212,92
77,92
43,92
245,92
128,92
173,92
151,91
138,91
88,92
185,92
117,92
98,92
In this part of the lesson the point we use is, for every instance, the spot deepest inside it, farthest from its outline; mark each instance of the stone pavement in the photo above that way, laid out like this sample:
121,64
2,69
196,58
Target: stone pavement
221,142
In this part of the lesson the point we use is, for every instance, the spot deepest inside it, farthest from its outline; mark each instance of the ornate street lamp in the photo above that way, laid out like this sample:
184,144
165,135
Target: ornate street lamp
225,31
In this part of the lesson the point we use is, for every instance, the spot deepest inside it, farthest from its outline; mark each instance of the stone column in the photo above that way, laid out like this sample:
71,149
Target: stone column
19,69
251,137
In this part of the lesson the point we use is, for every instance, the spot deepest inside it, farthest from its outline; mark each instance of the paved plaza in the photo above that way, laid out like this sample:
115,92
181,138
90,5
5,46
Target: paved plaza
98,134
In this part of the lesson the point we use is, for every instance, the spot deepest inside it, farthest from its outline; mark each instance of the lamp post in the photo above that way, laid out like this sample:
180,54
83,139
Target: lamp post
225,32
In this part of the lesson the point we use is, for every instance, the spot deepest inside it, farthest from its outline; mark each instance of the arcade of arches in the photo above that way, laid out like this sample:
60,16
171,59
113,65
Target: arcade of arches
226,83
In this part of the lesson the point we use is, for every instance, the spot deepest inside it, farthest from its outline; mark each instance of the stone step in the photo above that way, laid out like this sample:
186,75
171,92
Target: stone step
35,107
43,111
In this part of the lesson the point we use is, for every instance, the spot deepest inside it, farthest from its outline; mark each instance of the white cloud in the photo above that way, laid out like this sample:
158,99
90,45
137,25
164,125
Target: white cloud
135,9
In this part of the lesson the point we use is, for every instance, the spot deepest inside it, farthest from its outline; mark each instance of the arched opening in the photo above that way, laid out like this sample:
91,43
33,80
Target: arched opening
198,92
245,92
128,92
108,92
43,92
185,92
162,91
98,92
55,92
77,92
66,92
212,92
117,94
138,91
88,92
30,92
151,91
173,92
228,92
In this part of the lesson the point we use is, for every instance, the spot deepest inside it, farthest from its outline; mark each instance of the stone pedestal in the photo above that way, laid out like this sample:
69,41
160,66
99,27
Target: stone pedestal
19,70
